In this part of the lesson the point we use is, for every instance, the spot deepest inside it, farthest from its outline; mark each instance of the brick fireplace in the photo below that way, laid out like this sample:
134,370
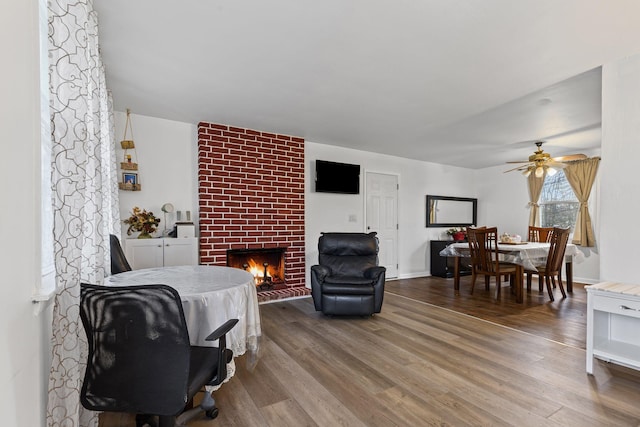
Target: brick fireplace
251,196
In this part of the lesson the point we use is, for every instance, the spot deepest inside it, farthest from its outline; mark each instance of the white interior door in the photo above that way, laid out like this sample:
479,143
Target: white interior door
381,216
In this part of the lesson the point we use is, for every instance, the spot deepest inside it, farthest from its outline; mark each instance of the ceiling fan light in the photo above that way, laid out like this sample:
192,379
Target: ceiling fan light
551,171
539,172
526,172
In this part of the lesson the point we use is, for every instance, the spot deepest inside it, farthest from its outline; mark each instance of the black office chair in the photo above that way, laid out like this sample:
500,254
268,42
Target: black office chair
140,360
348,279
119,263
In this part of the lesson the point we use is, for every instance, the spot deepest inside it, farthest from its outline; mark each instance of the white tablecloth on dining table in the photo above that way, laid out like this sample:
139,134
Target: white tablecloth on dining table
529,255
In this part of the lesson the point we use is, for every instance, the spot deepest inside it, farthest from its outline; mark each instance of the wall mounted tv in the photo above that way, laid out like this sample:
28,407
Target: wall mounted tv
332,177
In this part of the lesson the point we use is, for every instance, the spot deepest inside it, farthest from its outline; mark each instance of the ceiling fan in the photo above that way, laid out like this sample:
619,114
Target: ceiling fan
540,162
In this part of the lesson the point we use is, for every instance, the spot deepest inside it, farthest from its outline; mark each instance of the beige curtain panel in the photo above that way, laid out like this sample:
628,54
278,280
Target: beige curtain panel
581,174
535,189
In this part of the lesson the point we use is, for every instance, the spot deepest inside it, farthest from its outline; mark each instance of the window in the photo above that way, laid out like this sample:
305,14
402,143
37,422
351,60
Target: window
558,204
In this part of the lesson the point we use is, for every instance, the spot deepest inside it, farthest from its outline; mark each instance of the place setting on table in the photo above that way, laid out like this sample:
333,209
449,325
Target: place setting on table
525,255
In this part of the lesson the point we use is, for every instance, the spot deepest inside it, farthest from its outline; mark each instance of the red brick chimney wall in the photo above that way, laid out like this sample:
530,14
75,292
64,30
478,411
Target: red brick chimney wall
251,195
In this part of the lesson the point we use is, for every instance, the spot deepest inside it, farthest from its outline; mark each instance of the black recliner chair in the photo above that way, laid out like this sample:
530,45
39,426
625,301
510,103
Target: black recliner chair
119,263
140,360
348,279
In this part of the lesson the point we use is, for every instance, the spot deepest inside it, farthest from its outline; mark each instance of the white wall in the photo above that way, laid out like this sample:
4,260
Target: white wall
167,167
502,200
330,212
24,325
620,196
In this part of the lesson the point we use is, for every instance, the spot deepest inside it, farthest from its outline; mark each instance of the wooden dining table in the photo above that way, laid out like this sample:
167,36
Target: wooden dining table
525,255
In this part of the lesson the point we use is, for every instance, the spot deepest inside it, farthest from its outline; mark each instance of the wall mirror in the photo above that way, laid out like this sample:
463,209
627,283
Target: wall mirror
443,211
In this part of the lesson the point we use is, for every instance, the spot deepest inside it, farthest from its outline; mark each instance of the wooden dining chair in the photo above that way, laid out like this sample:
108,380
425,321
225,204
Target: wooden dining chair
538,234
552,268
484,258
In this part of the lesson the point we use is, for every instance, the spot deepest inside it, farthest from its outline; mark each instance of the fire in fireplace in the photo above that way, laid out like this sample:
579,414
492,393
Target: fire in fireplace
265,264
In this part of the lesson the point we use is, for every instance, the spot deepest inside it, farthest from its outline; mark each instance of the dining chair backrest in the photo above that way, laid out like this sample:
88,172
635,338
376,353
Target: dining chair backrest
119,263
540,234
483,249
558,240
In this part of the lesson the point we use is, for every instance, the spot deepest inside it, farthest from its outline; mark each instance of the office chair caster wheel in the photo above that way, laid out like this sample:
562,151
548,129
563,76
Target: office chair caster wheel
212,413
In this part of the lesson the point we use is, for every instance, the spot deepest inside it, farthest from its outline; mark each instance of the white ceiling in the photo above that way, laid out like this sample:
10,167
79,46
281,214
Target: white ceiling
460,82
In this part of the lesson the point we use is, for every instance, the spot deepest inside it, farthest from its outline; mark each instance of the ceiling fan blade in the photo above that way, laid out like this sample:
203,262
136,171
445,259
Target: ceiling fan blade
519,168
570,157
519,161
555,164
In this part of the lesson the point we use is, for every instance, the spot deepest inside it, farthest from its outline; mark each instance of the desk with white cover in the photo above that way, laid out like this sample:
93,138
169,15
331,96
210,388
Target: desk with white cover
210,296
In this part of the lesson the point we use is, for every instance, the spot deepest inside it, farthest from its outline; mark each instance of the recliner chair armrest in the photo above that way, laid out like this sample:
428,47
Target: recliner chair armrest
378,274
374,272
222,330
321,271
318,274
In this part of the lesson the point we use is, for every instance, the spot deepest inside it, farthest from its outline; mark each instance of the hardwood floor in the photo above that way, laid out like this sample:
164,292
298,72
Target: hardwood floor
420,363
564,321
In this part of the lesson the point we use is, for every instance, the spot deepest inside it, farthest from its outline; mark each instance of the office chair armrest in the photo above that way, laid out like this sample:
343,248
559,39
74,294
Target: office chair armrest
222,330
224,354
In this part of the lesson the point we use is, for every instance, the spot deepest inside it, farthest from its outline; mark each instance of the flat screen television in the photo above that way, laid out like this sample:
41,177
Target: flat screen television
332,177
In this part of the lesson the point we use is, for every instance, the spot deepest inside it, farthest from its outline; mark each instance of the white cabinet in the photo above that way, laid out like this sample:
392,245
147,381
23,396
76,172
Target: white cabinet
147,253
613,320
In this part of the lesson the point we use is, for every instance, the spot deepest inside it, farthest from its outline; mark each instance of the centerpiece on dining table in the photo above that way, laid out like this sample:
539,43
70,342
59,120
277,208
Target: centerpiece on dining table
142,221
457,233
510,238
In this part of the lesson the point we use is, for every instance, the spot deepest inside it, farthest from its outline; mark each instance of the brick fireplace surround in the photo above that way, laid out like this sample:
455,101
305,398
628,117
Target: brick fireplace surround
251,195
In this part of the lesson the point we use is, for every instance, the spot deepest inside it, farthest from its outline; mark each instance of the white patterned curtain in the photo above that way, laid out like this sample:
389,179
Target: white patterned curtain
85,196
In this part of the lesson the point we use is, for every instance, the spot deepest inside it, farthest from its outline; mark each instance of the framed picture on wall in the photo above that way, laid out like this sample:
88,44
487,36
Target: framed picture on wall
130,178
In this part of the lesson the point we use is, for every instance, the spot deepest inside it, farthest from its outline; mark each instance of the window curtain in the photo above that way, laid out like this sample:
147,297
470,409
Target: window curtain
535,189
581,174
85,196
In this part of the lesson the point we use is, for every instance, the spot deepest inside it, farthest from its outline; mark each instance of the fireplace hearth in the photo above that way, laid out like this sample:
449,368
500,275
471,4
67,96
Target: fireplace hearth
266,265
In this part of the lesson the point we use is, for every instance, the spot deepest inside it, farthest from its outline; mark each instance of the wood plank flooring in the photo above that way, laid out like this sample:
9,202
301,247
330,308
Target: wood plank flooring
423,362
562,320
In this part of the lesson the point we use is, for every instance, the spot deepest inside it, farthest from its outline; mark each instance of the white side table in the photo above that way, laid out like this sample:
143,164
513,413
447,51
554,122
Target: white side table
613,321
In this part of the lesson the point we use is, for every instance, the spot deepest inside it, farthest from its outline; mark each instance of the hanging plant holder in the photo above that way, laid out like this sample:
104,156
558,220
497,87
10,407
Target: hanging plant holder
130,160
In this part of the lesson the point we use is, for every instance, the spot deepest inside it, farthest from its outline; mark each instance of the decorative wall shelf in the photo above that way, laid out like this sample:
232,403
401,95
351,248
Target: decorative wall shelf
129,166
129,187
130,181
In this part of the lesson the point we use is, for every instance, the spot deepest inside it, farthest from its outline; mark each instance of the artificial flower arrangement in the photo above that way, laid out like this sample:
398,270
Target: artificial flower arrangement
142,221
458,233
455,230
